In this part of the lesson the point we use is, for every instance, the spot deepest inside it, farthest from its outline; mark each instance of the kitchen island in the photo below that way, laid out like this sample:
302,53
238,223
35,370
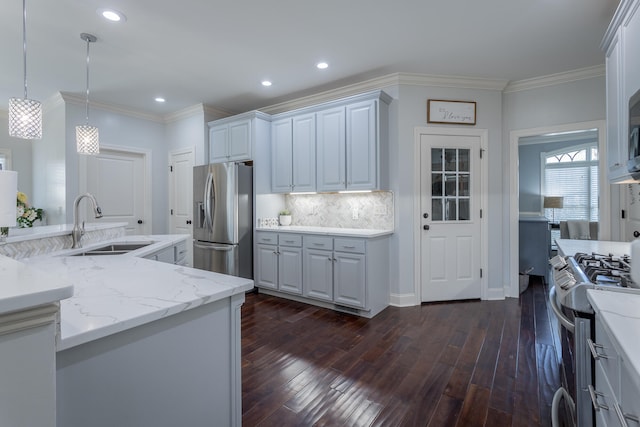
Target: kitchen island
570,247
145,343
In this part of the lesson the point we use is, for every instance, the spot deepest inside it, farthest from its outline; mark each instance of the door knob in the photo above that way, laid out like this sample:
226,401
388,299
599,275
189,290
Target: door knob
425,215
188,222
425,227
139,221
636,233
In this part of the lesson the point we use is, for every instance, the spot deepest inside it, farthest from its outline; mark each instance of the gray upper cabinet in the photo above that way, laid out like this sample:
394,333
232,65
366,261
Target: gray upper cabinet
293,142
233,138
335,146
623,80
331,150
362,146
281,156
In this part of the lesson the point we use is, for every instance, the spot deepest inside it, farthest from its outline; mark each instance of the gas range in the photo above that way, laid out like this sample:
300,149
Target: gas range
573,275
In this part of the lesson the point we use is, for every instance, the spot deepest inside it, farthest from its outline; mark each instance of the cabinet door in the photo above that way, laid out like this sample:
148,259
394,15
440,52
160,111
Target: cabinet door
267,267
218,140
290,270
318,274
362,146
281,155
330,149
349,279
616,144
240,140
304,153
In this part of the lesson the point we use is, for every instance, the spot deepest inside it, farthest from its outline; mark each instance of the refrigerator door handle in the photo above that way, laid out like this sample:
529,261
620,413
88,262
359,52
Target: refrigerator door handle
208,196
214,247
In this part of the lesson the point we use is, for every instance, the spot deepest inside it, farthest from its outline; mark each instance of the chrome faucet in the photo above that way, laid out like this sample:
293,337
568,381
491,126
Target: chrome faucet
78,230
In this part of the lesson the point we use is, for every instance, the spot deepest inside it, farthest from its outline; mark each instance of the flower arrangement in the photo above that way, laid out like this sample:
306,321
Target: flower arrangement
26,215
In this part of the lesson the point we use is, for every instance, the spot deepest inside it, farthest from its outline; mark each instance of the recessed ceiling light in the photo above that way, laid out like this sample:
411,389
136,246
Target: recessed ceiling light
322,65
160,99
266,83
112,15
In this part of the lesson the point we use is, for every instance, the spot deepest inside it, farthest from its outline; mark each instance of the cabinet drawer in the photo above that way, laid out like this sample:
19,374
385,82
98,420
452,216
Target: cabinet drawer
267,238
349,245
180,251
607,356
286,239
318,242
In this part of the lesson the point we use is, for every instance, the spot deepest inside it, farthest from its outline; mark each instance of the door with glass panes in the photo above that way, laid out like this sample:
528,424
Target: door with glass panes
450,210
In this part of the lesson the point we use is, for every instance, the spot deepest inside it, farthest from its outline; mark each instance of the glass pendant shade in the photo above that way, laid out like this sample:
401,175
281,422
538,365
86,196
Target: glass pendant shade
25,118
25,115
87,139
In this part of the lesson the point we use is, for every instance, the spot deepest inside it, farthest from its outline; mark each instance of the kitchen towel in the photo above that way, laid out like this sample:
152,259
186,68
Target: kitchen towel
579,230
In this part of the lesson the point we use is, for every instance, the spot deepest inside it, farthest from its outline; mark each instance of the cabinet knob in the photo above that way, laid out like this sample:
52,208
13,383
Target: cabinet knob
140,221
188,222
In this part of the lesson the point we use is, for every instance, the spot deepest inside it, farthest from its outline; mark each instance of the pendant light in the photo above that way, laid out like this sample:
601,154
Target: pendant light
25,115
86,135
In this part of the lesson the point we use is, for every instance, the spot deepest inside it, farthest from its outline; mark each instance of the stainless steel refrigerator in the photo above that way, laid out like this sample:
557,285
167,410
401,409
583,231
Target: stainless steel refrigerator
223,211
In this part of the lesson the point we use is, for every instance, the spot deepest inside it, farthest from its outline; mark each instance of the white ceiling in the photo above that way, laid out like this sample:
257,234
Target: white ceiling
217,52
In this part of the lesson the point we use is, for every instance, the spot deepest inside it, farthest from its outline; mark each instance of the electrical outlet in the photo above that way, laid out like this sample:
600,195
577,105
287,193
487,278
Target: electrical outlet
355,214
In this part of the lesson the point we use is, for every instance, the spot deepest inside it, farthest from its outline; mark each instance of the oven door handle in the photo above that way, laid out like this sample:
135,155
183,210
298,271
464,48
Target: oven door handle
564,321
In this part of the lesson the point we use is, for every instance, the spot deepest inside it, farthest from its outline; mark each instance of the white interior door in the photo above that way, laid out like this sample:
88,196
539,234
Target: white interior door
118,180
181,191
450,217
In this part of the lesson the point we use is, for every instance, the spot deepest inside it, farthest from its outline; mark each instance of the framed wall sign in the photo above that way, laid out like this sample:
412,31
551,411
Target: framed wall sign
456,112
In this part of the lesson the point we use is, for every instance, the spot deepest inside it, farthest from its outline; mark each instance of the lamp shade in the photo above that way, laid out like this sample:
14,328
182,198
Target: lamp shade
553,202
25,118
8,192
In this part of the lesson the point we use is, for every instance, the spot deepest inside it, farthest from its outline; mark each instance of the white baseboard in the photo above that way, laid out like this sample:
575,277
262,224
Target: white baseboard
403,300
495,294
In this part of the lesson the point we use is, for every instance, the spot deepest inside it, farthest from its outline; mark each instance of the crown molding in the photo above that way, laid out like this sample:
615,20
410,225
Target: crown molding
218,113
556,79
184,113
452,81
378,83
76,100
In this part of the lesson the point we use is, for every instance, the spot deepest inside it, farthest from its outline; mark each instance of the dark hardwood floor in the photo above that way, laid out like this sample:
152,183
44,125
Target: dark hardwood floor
472,363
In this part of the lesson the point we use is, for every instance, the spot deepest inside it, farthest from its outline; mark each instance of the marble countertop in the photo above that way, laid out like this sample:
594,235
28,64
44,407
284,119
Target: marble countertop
23,287
113,293
570,247
620,313
22,234
346,232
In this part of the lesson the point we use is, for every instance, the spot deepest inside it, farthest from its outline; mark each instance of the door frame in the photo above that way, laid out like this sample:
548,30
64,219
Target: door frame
148,190
483,134
192,152
511,287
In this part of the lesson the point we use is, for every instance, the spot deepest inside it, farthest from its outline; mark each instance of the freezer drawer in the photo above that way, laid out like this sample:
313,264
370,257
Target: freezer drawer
221,258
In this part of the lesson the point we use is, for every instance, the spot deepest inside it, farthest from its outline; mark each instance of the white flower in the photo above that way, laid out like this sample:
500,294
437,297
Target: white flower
20,211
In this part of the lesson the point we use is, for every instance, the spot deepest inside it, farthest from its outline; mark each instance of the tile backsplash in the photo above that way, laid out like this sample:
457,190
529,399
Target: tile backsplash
351,210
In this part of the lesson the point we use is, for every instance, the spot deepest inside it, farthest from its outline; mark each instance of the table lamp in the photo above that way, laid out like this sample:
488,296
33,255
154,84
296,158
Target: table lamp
553,203
8,193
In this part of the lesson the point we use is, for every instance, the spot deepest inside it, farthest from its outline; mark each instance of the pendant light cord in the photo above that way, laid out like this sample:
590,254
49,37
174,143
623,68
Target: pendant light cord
24,44
87,104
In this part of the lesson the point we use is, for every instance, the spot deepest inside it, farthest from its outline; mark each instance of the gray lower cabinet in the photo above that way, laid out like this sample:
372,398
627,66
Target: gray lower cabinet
279,262
351,274
175,254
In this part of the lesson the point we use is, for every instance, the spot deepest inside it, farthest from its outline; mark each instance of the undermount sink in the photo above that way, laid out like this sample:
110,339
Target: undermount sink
114,249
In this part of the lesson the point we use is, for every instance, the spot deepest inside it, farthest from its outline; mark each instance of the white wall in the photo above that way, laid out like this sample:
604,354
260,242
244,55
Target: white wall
123,130
20,155
572,102
187,130
408,111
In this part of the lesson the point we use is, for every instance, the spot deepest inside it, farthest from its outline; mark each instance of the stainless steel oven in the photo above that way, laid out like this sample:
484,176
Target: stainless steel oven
570,278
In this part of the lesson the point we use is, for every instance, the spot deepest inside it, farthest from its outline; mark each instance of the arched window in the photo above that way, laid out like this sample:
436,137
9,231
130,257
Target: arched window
573,174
